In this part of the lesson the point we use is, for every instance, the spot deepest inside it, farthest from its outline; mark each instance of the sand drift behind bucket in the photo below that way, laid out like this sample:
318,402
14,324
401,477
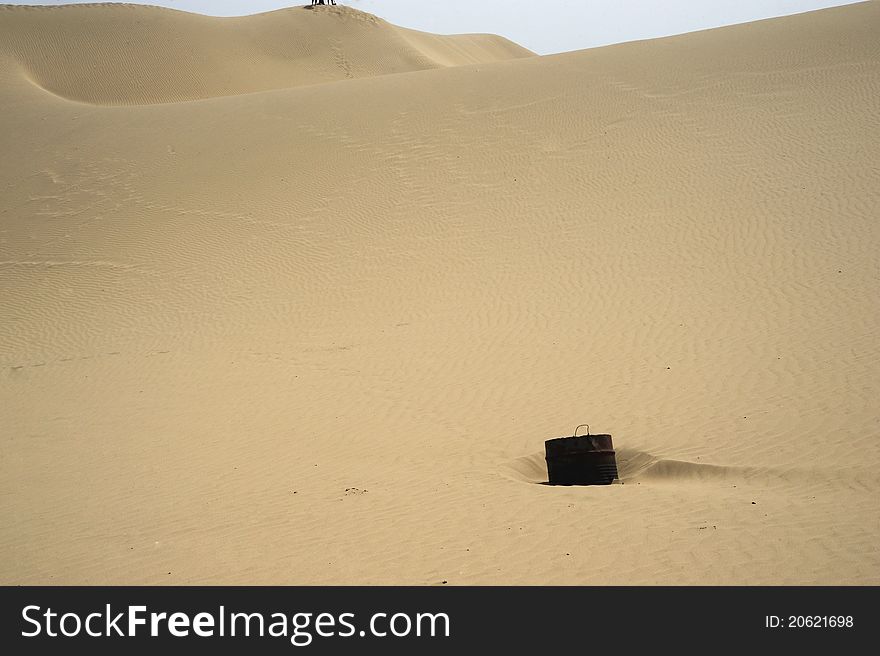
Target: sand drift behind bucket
581,460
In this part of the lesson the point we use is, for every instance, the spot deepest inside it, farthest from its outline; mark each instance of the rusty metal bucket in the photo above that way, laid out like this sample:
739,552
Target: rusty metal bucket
581,460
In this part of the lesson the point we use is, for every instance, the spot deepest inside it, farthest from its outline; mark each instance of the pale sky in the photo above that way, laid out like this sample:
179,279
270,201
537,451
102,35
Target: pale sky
544,27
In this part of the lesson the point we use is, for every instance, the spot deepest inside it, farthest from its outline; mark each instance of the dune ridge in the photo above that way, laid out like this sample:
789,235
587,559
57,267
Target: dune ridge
136,54
317,334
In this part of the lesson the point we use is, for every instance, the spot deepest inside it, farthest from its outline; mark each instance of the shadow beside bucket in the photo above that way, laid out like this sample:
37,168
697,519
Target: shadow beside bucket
581,460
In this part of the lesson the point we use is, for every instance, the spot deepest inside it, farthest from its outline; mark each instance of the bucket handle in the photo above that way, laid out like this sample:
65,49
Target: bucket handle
579,427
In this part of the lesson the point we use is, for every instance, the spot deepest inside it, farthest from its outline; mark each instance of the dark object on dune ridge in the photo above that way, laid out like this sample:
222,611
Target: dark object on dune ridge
581,460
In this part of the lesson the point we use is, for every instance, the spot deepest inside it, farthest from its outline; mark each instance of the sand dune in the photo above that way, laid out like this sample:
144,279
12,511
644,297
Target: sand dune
133,54
314,330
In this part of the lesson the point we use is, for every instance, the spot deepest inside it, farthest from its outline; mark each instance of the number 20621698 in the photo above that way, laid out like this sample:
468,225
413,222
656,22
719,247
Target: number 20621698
808,621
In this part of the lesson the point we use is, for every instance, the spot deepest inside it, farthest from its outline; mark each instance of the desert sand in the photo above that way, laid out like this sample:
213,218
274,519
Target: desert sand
296,298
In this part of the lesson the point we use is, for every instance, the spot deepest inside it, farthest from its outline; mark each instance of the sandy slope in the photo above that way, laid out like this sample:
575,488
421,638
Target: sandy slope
131,54
319,334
